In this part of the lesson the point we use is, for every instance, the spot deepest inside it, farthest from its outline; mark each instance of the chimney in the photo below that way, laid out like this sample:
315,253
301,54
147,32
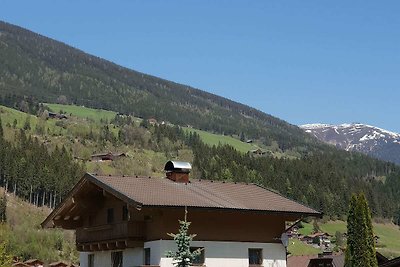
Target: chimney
178,171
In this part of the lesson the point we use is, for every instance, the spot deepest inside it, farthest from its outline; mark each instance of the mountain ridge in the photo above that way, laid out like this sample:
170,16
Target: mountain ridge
364,138
34,65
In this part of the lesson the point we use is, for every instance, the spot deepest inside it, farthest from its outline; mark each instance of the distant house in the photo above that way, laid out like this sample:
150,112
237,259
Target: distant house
257,152
320,260
59,264
334,260
34,262
19,264
53,115
106,156
152,121
321,235
124,221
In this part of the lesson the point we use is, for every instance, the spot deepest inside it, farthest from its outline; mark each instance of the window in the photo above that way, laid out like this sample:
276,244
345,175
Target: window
199,260
147,256
116,259
125,213
255,256
91,260
110,215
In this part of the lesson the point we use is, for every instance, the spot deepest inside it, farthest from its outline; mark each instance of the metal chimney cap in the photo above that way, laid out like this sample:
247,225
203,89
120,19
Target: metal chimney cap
179,166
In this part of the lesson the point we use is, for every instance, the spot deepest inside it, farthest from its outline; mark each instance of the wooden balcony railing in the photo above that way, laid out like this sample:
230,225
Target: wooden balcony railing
107,232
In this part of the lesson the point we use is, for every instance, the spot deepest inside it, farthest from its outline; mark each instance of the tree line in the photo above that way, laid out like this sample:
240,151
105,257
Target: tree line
324,180
29,170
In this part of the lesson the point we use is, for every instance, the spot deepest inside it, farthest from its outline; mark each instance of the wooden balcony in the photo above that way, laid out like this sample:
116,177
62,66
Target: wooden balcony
124,231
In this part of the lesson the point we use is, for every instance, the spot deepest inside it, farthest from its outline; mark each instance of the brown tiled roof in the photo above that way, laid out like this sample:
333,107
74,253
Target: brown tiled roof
198,193
303,261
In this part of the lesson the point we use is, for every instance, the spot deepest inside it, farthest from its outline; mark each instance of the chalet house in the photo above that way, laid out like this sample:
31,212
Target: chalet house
53,115
106,156
58,264
334,260
34,262
152,121
124,221
323,238
320,260
257,152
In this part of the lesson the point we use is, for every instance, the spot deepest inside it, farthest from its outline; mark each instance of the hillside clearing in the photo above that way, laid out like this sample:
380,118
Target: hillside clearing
84,112
216,139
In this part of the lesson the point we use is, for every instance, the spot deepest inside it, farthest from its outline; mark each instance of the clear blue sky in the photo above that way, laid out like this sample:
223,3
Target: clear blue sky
302,61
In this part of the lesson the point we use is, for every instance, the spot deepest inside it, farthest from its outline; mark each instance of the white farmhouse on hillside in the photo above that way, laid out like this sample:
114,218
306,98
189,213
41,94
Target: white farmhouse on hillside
123,221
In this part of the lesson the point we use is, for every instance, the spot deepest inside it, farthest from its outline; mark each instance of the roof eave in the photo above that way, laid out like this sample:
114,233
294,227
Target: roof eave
277,212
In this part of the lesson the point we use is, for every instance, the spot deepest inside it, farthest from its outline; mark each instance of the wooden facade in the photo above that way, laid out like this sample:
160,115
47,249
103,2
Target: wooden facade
104,222
130,215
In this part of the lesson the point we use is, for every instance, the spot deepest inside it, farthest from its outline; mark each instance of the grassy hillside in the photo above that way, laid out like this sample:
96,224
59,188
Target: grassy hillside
83,112
389,236
298,248
26,239
72,134
216,139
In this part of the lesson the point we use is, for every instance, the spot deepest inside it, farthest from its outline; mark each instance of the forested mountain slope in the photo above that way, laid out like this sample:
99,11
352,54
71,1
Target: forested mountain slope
33,65
36,69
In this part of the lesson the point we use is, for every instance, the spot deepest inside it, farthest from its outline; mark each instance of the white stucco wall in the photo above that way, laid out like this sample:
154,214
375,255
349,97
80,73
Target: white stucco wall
221,254
217,254
131,257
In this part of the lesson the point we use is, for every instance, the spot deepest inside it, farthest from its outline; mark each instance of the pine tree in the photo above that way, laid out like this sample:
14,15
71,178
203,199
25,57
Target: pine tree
5,257
242,137
360,251
183,257
3,208
1,130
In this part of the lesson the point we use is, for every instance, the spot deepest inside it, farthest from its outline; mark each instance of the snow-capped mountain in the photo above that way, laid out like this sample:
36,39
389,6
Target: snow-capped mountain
367,139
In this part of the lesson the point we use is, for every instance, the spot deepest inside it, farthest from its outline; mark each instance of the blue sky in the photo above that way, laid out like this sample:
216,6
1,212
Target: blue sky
302,61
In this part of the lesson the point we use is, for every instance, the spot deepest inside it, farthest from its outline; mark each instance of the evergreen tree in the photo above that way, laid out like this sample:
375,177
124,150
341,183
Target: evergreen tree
183,257
5,257
27,124
242,137
3,208
360,251
1,130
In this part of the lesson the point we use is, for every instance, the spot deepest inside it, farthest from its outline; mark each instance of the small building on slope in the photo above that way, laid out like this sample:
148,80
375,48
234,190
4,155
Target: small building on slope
124,221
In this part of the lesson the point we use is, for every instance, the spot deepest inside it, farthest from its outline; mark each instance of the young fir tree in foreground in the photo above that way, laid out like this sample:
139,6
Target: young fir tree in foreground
360,251
183,257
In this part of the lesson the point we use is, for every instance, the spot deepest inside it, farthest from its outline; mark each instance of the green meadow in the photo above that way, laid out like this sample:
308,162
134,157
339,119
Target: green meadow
389,235
83,112
216,139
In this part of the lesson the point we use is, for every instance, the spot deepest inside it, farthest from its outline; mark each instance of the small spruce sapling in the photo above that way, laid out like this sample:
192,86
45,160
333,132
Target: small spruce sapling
183,257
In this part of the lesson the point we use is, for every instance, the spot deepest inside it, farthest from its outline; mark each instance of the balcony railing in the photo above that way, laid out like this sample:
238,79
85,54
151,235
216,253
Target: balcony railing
107,232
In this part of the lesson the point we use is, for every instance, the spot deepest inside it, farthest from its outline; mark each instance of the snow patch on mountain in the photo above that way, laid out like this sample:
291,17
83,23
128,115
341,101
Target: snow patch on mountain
364,138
